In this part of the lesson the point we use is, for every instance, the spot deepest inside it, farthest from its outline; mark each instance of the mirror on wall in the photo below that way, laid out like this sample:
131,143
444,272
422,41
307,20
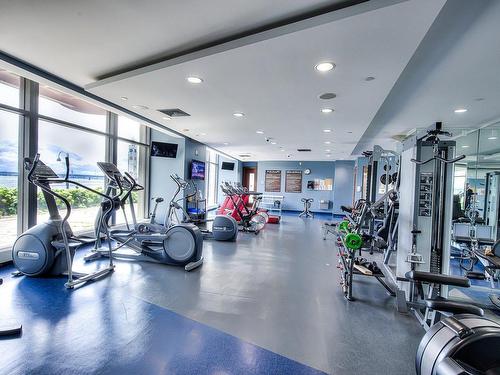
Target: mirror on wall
476,203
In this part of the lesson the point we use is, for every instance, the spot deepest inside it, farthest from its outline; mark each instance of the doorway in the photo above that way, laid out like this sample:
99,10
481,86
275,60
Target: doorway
250,178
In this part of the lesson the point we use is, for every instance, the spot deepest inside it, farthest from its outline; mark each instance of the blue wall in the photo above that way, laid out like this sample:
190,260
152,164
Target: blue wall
197,151
341,172
343,184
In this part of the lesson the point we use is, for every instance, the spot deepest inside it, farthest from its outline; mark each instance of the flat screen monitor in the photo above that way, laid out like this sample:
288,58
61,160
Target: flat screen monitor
197,170
164,150
227,166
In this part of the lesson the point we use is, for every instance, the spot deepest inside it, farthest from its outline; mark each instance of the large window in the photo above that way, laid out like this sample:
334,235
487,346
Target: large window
9,156
84,150
130,158
64,124
9,88
211,178
56,104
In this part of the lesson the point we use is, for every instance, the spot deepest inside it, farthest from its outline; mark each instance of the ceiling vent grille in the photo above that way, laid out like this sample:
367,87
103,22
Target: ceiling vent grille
244,155
304,150
174,112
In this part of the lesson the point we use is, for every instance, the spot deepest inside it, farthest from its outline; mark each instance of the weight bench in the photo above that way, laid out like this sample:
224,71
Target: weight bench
435,304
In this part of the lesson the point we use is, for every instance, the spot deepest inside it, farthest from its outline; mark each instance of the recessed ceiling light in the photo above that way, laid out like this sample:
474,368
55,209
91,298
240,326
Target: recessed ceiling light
282,149
203,133
124,98
273,143
225,143
328,155
326,110
192,79
238,114
185,130
465,146
166,118
369,78
327,130
492,138
259,132
460,110
328,150
327,142
328,96
138,106
324,66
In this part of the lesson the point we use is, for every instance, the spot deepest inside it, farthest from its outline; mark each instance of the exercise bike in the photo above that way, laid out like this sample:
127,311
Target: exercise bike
224,227
48,249
250,220
179,245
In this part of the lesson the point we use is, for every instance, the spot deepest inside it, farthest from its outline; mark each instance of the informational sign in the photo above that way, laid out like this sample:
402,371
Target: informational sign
293,181
273,181
323,184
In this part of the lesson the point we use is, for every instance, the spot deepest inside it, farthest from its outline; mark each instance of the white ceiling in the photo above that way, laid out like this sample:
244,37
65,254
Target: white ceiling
83,40
274,83
422,72
457,63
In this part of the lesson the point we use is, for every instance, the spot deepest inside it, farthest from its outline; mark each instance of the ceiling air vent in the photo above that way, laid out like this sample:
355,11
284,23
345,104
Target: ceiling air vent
174,112
244,155
304,150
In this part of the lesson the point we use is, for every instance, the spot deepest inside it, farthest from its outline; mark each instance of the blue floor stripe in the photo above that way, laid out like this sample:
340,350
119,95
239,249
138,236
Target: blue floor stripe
101,329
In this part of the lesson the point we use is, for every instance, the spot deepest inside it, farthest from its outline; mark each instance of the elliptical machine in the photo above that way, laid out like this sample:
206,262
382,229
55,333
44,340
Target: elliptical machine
48,249
179,245
224,227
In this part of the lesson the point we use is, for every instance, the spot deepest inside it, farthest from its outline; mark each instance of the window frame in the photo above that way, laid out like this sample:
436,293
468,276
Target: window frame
29,116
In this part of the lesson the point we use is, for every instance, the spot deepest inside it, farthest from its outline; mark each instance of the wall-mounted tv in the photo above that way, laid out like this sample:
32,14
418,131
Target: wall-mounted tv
227,166
164,150
197,170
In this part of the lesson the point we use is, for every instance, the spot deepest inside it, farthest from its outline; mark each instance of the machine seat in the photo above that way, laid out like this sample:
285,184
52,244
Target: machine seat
429,277
453,307
330,224
346,209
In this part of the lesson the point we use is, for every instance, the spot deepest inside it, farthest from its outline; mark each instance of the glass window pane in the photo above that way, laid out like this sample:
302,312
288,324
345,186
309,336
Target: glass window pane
9,88
85,150
9,127
128,158
129,129
212,188
66,107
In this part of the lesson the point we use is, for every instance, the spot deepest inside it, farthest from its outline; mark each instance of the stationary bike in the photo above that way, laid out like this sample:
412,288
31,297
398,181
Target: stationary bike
179,245
250,220
48,249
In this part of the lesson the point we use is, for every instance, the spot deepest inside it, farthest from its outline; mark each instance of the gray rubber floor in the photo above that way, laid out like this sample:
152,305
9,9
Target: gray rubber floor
280,290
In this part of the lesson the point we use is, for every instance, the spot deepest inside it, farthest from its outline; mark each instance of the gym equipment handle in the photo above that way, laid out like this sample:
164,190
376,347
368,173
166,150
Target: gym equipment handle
450,161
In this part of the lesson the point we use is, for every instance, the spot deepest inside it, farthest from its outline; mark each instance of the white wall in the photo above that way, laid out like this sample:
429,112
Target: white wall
161,185
224,175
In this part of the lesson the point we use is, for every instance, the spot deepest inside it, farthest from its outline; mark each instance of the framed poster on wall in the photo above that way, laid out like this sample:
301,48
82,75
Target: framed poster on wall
293,181
273,181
